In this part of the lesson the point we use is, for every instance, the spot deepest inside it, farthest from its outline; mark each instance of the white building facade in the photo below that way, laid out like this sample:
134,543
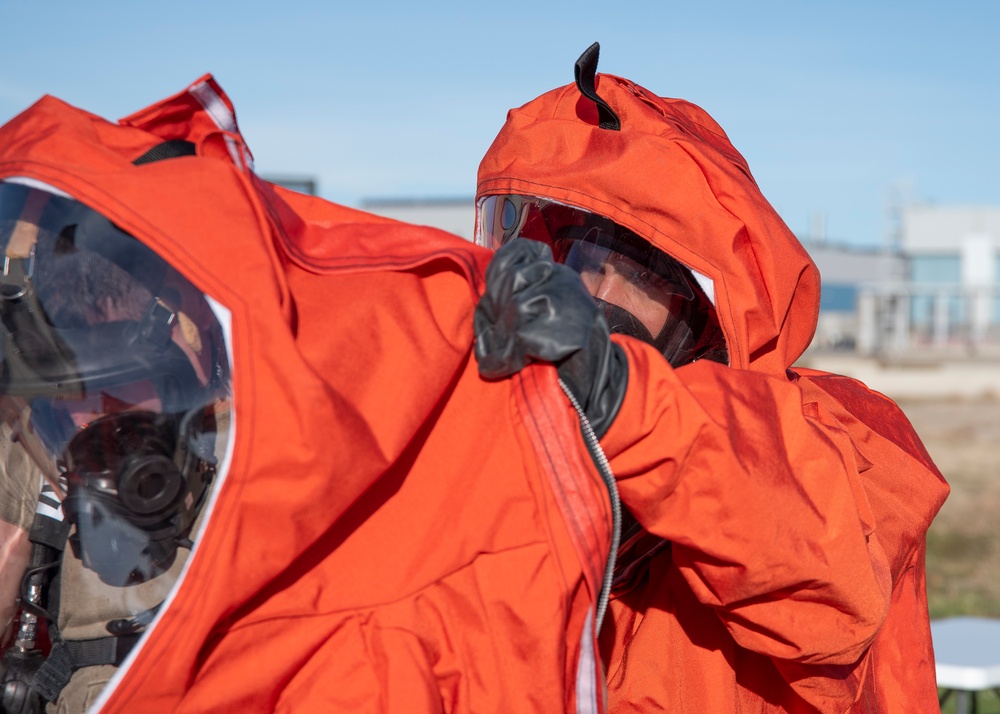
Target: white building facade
948,302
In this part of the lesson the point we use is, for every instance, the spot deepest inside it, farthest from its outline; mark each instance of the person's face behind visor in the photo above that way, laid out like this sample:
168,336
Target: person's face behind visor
642,291
113,380
613,278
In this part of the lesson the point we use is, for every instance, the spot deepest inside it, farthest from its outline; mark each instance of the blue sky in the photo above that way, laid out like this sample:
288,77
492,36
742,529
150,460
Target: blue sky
836,105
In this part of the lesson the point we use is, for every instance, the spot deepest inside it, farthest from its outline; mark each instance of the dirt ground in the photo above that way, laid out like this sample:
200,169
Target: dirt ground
963,561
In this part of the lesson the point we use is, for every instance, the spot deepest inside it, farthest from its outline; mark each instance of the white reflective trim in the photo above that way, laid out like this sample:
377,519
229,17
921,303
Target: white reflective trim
226,322
35,183
586,669
706,283
214,106
223,118
234,152
44,509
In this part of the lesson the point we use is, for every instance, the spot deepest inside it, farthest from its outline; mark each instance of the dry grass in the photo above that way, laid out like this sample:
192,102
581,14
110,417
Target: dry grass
963,558
963,544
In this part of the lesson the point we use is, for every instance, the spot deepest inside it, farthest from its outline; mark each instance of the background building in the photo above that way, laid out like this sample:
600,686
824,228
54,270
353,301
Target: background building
947,302
844,271
455,215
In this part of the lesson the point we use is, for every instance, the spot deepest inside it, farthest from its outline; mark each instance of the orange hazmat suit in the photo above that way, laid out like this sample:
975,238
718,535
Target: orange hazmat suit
390,532
780,565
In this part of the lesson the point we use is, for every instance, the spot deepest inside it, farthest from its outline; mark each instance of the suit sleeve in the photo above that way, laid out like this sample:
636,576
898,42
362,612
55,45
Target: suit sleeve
760,491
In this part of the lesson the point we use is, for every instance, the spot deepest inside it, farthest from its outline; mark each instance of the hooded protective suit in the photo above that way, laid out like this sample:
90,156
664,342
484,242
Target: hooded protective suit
388,531
781,565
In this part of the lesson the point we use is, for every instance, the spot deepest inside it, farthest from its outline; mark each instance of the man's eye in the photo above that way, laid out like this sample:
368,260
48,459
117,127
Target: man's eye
629,272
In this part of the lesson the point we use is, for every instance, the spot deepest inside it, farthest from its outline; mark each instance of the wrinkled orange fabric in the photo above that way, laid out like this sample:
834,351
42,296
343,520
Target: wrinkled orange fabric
393,533
781,568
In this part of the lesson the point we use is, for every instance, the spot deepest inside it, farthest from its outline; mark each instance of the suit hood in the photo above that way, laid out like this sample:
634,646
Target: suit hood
670,175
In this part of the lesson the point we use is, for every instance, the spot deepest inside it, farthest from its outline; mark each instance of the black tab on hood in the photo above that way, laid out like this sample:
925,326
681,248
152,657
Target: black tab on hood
586,73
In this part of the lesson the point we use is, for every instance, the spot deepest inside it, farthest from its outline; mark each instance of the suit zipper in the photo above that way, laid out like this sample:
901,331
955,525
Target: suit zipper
604,469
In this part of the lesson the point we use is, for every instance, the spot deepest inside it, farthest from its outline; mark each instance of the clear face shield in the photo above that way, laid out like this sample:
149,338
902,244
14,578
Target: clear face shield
114,385
642,291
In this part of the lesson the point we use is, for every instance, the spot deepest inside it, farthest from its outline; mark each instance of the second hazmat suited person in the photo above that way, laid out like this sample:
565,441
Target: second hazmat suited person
244,466
775,562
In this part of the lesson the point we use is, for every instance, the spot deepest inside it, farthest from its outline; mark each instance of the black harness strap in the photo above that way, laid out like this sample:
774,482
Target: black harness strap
67,656
48,537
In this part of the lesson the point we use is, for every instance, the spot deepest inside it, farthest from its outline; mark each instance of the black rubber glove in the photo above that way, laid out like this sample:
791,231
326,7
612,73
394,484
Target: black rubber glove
535,309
